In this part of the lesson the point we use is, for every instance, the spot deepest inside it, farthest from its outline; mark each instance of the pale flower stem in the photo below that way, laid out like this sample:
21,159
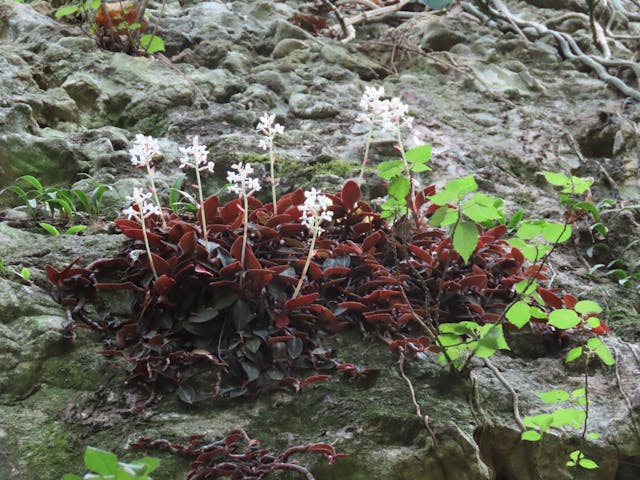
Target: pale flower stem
146,243
308,262
366,154
155,195
272,160
203,220
245,230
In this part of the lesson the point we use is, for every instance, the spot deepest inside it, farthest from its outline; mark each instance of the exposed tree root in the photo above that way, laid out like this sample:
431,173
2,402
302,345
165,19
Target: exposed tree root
496,13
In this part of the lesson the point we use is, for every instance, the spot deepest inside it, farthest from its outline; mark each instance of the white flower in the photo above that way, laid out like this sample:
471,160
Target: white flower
143,150
269,129
371,96
389,114
315,210
195,156
144,208
394,116
241,182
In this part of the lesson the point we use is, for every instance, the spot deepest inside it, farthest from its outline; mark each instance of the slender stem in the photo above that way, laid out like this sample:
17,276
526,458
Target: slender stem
146,243
245,230
366,154
272,161
155,195
205,234
316,229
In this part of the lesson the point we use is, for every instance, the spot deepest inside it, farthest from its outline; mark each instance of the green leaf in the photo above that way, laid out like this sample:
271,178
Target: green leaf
531,436
578,185
543,421
75,229
390,169
399,188
100,461
587,306
462,186
25,273
537,312
574,354
568,417
151,43
83,199
419,155
444,197
465,239
492,338
49,228
564,319
593,436
480,208
529,230
515,219
33,181
593,322
519,314
526,286
554,396
69,476
554,232
439,215
579,392
67,10
600,349
436,4
588,464
556,179
588,207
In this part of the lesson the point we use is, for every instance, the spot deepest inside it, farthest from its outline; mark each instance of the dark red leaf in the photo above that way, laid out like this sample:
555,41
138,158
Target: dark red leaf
354,306
496,232
313,379
329,272
550,298
569,301
350,194
188,243
301,301
324,313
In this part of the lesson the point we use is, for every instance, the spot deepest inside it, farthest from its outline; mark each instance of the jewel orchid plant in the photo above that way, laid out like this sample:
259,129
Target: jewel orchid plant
243,185
270,129
145,148
195,157
140,209
314,211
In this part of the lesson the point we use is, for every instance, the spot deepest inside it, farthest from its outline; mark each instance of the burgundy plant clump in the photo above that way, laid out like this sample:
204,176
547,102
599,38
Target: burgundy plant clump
218,328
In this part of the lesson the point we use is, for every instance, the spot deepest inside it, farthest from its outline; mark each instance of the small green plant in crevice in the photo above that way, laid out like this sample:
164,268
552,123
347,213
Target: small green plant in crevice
104,465
59,204
580,316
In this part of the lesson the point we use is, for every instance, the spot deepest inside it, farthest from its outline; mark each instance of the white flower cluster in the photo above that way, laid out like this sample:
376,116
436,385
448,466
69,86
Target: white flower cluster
269,129
140,200
241,182
198,153
389,114
143,151
315,209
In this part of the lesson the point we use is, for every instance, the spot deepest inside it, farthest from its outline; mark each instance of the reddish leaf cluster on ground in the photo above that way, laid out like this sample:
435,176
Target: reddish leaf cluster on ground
214,327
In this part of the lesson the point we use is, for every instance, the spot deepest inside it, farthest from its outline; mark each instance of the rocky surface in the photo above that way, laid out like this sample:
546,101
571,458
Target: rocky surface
490,103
